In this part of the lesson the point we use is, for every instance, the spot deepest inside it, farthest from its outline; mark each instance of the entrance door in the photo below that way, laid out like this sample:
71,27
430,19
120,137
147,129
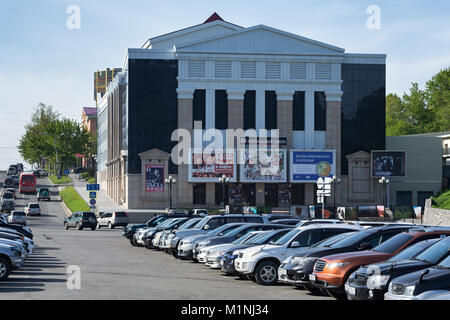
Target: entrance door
271,195
199,193
249,194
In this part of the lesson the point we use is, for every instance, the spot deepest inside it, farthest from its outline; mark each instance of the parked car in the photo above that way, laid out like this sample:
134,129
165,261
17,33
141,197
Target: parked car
304,223
43,194
331,272
25,231
413,286
168,235
301,264
288,222
371,282
17,217
7,196
32,209
19,239
10,258
112,220
7,206
80,220
261,263
146,238
12,191
8,183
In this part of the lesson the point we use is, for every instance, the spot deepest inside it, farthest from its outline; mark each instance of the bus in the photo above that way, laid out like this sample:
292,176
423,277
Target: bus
27,183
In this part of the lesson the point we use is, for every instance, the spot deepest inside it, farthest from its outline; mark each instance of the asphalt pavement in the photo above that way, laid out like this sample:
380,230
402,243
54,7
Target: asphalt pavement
110,268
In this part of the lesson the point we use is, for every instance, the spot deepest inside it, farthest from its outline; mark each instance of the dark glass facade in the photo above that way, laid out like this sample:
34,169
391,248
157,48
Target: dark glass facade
199,193
221,113
271,110
298,111
250,110
152,108
320,116
363,118
199,107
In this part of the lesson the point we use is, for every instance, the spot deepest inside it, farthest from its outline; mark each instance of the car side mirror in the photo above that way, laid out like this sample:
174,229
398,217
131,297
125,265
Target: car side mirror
365,246
206,227
295,244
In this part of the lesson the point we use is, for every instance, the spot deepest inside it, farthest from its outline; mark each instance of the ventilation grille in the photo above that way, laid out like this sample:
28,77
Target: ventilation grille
196,68
222,69
323,71
273,70
298,70
248,69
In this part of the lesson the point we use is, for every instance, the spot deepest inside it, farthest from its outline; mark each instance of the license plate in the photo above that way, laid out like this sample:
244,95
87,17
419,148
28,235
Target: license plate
350,290
312,277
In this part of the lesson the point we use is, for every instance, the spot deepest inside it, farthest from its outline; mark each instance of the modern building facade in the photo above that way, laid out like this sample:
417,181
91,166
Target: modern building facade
326,103
101,81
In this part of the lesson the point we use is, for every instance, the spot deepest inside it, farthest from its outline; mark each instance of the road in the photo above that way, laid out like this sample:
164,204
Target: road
112,269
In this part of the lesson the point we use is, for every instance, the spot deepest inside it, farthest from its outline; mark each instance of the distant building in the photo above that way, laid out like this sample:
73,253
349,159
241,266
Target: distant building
89,122
101,81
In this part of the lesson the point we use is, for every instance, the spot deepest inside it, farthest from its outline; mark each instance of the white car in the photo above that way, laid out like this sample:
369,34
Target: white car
32,209
112,220
17,217
260,263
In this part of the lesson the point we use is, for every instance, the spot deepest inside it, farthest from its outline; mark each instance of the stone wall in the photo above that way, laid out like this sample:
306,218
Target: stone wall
434,216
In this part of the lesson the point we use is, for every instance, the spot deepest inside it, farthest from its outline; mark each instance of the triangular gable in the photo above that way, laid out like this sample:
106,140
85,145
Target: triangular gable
261,39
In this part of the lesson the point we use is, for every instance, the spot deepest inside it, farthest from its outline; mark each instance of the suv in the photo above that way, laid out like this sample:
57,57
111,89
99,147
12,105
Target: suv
112,220
365,284
17,217
43,194
10,258
8,183
33,209
331,272
261,263
81,220
7,206
7,196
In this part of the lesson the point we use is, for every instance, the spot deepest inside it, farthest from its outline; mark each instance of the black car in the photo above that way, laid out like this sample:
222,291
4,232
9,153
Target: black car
79,170
301,265
411,285
9,183
177,222
23,230
7,206
369,286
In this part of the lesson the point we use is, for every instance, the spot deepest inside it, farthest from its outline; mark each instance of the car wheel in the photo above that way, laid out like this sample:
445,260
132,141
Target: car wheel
93,228
110,225
337,295
5,269
174,253
132,242
66,226
266,273
98,225
79,227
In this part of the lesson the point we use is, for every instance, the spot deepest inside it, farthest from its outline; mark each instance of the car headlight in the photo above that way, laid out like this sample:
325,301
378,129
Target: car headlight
16,252
302,260
188,241
170,236
377,281
409,291
334,265
150,233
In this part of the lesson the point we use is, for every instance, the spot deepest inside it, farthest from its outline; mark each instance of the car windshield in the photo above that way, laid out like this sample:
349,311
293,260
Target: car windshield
435,252
393,244
352,239
444,264
173,223
165,223
156,221
19,213
270,236
329,241
188,224
7,195
27,178
44,192
246,237
285,238
223,229
412,251
87,215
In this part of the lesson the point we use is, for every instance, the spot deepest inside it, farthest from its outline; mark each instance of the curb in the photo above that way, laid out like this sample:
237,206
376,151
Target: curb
63,204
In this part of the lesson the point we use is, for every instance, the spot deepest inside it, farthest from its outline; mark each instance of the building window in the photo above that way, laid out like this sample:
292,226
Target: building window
219,194
196,68
323,71
199,107
221,110
319,112
298,111
250,110
199,192
222,69
298,70
271,110
273,70
248,69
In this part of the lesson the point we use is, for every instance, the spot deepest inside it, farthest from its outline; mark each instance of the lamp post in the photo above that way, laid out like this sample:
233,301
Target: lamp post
224,180
170,180
385,182
335,180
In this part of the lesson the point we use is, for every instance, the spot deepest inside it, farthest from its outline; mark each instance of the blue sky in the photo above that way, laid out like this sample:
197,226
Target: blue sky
44,61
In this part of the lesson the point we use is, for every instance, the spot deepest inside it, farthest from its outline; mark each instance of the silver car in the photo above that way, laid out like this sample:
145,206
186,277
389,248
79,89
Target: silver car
10,258
112,220
17,217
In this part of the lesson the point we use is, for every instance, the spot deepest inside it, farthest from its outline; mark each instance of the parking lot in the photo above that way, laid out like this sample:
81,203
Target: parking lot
112,269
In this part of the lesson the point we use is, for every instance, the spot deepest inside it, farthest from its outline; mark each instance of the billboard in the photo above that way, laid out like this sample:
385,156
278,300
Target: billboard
388,163
154,178
310,165
212,168
272,169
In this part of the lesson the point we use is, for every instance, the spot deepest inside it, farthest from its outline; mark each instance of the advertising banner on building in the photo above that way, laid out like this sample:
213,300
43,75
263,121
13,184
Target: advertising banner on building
211,168
310,165
154,178
388,163
271,169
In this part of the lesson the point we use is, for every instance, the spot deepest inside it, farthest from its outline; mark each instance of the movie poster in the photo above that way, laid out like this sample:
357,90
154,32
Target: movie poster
154,178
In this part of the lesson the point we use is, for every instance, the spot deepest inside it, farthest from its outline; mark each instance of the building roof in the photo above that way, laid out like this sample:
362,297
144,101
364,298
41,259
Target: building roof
429,134
90,111
213,17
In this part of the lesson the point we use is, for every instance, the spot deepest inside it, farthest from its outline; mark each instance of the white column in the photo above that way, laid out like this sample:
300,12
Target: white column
260,121
210,117
309,119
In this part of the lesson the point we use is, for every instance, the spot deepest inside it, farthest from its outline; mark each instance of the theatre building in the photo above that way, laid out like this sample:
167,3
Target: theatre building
329,107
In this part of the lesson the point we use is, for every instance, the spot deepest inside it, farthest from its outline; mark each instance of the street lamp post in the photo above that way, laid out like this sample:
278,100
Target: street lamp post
384,182
224,180
335,181
170,180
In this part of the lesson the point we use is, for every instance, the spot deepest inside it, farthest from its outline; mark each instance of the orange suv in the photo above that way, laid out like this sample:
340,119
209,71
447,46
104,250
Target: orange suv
331,272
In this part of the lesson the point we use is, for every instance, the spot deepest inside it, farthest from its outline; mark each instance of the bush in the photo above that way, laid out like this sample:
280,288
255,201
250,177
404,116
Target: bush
64,179
73,200
442,201
403,212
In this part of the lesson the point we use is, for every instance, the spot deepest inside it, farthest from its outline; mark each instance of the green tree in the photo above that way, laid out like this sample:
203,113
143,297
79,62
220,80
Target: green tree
437,95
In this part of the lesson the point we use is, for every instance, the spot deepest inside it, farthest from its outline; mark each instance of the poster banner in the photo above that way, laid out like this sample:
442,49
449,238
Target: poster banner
213,167
154,178
310,165
388,163
417,212
271,169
